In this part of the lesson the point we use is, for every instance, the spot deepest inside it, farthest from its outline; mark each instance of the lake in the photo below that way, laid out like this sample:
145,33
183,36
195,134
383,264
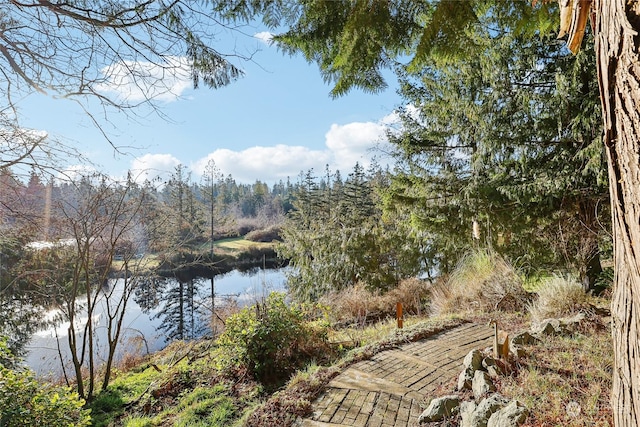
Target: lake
140,333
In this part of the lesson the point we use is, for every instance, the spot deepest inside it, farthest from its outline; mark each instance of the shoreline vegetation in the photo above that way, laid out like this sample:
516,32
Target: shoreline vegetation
229,254
275,358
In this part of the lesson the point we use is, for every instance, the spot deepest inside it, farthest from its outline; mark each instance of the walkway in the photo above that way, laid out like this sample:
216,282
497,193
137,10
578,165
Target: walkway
390,389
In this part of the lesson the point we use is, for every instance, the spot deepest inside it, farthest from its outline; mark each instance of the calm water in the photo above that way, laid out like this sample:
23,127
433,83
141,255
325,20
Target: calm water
245,288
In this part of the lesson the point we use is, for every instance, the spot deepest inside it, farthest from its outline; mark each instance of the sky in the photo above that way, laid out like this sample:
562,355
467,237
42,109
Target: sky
271,124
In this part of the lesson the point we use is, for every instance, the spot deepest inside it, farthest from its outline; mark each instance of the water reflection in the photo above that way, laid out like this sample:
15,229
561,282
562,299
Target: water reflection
152,306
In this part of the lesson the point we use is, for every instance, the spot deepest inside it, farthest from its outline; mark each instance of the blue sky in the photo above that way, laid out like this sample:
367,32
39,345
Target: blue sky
274,122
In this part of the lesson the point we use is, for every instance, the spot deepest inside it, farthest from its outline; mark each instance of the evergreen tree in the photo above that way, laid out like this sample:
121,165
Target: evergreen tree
336,237
496,140
20,315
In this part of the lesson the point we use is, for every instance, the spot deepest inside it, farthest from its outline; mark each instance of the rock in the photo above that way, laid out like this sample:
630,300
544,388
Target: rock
440,408
465,379
488,361
574,320
548,327
466,414
512,415
524,338
494,371
481,384
473,360
563,326
481,413
491,366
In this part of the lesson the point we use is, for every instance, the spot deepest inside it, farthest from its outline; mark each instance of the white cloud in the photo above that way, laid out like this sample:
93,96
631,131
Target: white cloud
138,81
352,143
345,145
268,164
153,167
265,37
76,173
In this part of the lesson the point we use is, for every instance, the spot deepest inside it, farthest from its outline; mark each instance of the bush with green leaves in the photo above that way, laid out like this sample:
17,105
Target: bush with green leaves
26,402
271,339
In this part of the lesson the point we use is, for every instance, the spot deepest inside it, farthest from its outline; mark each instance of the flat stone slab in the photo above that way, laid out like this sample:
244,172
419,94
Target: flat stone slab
391,388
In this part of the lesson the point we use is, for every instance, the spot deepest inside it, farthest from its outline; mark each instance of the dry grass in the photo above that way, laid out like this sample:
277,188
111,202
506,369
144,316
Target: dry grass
482,282
357,305
358,335
558,297
565,381
412,293
353,304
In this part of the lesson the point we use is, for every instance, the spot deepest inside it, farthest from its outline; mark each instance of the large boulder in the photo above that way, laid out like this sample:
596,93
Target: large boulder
440,408
482,384
512,415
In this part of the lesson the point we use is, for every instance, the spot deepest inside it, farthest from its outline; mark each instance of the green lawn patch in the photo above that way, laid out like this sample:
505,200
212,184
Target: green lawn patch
239,244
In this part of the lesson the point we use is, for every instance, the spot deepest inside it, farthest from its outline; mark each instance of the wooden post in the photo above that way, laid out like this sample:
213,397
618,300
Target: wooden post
399,314
496,350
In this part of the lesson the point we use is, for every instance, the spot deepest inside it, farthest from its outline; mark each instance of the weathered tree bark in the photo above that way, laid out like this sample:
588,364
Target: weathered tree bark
617,42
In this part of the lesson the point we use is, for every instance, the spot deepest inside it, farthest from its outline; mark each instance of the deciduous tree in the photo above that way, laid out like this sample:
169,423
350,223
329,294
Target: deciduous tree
100,221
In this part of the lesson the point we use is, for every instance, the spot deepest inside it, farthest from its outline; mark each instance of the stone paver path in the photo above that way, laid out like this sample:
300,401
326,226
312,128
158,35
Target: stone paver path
390,389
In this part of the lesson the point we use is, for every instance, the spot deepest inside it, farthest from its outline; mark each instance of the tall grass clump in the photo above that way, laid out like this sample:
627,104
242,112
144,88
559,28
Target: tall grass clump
558,296
482,282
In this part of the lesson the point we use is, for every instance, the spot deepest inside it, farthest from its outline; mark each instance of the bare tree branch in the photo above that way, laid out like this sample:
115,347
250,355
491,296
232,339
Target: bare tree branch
123,54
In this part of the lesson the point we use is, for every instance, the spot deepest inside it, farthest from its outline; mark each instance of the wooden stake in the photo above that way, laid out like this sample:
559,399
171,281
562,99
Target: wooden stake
399,314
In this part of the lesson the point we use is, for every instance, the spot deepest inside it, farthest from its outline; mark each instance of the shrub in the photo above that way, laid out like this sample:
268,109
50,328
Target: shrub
25,402
483,281
358,304
267,235
246,225
255,254
557,297
352,304
413,293
270,339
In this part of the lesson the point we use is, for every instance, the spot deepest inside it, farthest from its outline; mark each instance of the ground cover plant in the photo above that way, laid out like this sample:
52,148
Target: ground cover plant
566,381
177,387
24,402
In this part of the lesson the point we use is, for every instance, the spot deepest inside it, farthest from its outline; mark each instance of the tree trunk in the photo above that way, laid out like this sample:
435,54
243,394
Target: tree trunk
617,40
